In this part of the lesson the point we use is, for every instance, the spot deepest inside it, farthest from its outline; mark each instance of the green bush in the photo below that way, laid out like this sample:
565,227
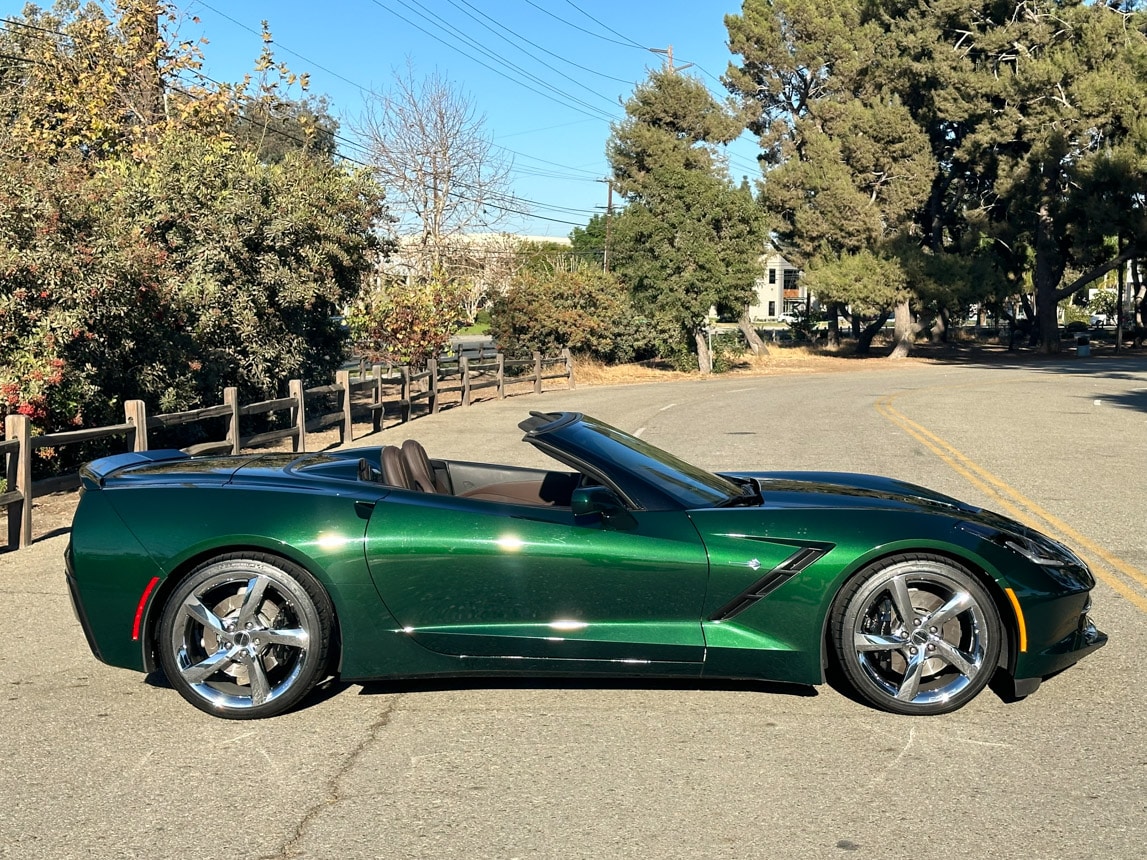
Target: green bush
407,323
586,310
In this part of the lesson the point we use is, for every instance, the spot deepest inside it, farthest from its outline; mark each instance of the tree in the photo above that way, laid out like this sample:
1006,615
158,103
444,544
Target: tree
589,242
272,129
1035,113
688,239
443,175
145,254
147,280
847,167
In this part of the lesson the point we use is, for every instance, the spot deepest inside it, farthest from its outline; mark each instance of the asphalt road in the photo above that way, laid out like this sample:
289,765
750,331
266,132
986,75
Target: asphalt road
98,763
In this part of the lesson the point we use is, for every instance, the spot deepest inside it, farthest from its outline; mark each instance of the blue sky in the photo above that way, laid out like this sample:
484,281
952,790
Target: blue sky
547,74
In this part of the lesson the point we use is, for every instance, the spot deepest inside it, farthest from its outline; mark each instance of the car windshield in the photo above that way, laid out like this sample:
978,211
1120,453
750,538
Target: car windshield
691,486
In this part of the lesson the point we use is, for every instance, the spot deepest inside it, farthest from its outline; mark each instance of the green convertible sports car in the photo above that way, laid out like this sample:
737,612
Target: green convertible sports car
249,579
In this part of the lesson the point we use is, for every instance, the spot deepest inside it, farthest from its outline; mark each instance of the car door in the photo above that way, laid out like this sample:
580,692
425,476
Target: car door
486,579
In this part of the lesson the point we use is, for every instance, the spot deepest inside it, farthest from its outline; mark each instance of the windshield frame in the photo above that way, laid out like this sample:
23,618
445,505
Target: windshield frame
647,477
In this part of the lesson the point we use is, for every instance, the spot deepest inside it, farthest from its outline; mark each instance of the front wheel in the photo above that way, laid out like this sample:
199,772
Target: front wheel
245,635
916,634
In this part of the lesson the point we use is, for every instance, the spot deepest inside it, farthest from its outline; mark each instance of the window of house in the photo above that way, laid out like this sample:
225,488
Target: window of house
772,276
791,279
772,309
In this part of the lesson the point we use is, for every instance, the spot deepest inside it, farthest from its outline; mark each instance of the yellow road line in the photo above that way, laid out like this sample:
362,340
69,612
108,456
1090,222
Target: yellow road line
996,489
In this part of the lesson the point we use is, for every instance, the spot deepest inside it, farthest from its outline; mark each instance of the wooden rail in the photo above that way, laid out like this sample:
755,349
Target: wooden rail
368,391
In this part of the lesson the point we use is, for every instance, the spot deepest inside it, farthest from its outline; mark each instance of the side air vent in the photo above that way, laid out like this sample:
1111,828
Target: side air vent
770,582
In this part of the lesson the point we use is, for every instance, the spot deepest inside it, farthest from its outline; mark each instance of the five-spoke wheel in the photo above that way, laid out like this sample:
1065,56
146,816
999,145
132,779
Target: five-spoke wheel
916,634
245,635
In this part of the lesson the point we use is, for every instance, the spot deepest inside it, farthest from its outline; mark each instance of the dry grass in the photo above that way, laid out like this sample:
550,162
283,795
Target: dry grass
786,360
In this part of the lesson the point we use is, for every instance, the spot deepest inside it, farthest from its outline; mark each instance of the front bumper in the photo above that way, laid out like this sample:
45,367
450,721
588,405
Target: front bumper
1032,668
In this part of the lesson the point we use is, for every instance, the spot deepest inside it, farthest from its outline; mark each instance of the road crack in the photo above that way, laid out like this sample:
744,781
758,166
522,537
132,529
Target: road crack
333,792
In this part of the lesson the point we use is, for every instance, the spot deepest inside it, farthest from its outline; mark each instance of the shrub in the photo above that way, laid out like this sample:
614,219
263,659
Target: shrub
407,323
583,309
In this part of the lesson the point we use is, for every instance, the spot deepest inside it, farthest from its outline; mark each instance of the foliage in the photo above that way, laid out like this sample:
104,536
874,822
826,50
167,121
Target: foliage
581,308
974,129
1104,302
169,279
274,128
848,166
688,239
588,242
408,322
144,251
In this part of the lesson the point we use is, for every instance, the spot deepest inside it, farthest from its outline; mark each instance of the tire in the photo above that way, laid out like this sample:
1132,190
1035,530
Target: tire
916,634
245,659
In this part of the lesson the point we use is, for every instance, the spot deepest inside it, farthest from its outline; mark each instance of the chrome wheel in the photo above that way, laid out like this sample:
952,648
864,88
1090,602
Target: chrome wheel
245,636
917,635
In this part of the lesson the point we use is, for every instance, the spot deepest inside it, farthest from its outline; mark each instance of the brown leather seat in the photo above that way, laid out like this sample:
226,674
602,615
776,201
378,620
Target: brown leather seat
394,471
418,465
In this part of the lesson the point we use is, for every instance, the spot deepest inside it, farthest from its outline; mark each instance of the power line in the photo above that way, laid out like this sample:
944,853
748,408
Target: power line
592,111
534,44
277,44
628,44
606,26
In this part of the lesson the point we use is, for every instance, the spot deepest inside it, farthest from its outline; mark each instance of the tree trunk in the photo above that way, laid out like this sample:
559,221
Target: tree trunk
833,325
1048,268
940,326
704,358
754,340
864,336
904,334
1047,319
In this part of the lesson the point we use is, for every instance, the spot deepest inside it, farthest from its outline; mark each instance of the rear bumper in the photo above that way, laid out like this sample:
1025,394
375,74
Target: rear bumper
77,605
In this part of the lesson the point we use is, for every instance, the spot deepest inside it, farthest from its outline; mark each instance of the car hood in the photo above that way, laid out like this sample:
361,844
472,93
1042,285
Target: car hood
842,489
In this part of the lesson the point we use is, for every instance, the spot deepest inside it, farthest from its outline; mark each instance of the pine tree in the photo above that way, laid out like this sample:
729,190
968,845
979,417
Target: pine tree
689,239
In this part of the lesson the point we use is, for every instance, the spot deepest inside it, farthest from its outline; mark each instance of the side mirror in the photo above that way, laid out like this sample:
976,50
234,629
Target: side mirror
601,501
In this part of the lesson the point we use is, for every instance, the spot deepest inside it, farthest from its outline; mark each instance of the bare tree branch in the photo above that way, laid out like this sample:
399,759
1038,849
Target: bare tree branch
431,151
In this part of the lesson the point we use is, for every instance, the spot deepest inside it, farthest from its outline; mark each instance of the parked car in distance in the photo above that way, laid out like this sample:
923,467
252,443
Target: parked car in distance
248,579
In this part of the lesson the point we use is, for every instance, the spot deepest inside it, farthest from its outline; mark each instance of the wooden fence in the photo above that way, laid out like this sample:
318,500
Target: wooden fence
371,391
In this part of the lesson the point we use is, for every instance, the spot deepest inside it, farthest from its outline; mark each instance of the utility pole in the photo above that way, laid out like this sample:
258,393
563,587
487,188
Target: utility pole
608,214
669,67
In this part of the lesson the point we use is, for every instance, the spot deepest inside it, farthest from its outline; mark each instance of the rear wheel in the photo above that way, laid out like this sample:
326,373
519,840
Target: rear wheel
916,634
245,635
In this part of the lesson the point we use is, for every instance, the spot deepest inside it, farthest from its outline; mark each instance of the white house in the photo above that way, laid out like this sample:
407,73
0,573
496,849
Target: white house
780,291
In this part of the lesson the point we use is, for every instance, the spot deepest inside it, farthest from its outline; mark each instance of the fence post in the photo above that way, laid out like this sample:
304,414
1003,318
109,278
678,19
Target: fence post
569,367
432,369
404,394
342,377
295,390
20,514
231,398
501,376
464,372
537,373
378,412
135,412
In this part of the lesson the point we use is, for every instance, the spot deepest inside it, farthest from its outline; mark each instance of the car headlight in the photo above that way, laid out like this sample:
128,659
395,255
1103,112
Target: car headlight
1035,547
